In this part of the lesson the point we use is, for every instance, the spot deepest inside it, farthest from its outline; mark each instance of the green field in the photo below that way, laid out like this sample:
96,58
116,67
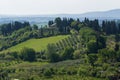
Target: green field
37,44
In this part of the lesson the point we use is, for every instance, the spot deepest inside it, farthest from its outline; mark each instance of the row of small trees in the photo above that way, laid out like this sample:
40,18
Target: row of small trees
65,25
7,29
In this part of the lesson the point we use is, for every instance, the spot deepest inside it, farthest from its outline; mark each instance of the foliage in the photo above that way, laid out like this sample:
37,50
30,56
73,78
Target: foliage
51,53
77,54
87,34
7,29
106,55
37,44
92,58
90,53
27,54
92,46
67,53
47,73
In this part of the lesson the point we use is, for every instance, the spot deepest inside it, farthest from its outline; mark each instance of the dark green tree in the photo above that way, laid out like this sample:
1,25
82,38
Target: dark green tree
92,46
51,53
67,53
58,22
27,54
35,27
50,23
92,58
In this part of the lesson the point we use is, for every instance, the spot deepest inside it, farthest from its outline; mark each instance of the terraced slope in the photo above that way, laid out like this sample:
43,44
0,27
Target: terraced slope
37,44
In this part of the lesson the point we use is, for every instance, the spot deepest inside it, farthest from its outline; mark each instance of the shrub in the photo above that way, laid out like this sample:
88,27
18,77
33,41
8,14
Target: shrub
92,46
82,72
51,53
67,53
47,73
76,54
27,54
92,58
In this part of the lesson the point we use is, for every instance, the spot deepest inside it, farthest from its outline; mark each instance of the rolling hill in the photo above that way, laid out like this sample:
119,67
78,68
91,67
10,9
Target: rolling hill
37,44
103,14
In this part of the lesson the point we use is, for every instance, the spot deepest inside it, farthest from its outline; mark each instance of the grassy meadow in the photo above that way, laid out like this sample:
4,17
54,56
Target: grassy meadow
37,44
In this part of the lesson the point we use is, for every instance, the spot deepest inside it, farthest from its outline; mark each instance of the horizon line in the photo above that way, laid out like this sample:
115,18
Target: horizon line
44,14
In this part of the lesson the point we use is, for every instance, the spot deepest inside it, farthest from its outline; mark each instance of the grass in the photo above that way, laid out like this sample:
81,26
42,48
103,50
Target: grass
37,44
34,70
27,65
72,77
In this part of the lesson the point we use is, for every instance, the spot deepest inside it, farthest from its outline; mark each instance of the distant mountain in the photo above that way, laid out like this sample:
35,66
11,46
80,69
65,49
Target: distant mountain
111,14
43,19
103,14
115,13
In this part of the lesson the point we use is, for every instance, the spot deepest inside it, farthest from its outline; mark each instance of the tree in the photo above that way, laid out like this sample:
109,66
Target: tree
58,22
4,76
26,24
14,54
74,25
110,27
117,37
7,29
87,34
119,28
51,53
47,73
116,47
67,53
106,55
118,55
41,32
96,25
35,27
50,23
101,42
92,46
27,54
92,58
102,54
77,54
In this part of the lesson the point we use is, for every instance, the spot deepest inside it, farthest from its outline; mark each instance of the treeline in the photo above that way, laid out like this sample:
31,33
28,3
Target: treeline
110,27
7,29
66,24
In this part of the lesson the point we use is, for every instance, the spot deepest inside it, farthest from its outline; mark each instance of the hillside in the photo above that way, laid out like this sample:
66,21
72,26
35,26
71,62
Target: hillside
37,44
88,51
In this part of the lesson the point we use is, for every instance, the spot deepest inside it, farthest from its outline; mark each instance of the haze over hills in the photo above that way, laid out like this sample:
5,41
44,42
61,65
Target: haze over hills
105,14
43,19
114,14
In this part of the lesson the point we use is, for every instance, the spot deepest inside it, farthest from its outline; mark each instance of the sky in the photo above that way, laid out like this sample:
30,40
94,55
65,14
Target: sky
41,7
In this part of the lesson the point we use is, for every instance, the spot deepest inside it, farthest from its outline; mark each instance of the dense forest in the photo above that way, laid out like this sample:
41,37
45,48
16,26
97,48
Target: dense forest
90,52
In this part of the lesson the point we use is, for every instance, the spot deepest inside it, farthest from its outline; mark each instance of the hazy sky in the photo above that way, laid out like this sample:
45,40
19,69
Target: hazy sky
25,7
